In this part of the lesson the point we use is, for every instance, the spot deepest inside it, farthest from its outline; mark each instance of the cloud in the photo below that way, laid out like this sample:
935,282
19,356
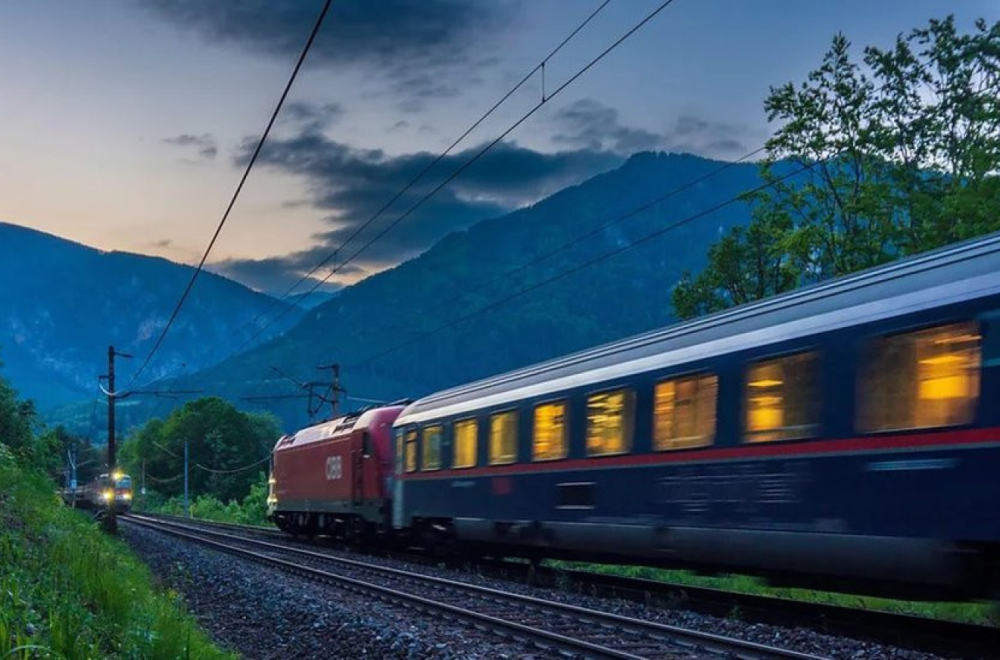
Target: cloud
275,275
350,185
310,117
589,124
408,41
204,144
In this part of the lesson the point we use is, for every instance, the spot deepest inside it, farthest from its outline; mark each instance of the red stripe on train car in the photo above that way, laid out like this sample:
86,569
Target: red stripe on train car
869,444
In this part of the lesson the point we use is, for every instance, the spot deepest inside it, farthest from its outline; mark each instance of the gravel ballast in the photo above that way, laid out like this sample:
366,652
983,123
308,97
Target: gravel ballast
261,612
384,631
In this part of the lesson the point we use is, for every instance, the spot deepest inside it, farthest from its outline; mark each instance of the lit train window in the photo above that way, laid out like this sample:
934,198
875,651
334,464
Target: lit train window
610,418
684,412
550,431
503,437
410,451
783,398
432,448
921,379
466,434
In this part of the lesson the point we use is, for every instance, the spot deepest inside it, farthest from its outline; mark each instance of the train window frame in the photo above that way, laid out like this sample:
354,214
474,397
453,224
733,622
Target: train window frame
865,351
702,441
816,426
410,441
628,440
517,436
475,443
424,445
565,429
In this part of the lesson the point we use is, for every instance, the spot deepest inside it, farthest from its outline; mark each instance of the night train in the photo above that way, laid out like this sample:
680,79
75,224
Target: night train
845,436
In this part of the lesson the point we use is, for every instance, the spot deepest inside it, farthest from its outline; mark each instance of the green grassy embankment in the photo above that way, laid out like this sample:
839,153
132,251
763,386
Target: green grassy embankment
69,591
982,613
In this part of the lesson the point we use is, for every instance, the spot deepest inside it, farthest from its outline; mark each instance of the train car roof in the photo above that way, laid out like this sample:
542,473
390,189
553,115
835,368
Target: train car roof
952,274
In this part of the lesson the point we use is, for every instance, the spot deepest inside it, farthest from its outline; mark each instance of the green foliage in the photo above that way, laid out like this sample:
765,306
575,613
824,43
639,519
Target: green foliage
982,613
69,591
252,510
902,156
221,441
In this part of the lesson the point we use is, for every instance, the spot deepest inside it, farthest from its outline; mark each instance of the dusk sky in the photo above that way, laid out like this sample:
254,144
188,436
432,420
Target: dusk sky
125,124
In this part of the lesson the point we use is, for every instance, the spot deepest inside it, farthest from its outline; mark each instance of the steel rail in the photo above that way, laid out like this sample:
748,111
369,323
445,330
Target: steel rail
673,638
920,633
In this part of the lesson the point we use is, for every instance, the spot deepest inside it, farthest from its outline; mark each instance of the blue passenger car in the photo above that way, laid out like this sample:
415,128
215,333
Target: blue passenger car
846,434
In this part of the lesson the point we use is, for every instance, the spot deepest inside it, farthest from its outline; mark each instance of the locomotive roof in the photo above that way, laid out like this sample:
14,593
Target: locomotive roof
959,272
334,427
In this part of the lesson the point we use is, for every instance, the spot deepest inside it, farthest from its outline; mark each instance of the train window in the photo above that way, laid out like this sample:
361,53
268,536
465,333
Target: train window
503,437
410,451
432,448
610,418
684,412
550,431
782,398
921,379
466,435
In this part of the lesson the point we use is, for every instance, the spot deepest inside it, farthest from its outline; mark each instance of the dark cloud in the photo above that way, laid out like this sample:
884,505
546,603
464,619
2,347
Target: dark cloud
162,243
410,42
204,143
274,275
310,117
589,124
352,184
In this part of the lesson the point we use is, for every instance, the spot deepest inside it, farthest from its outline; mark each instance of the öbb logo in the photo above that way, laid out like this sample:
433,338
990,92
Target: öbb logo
334,468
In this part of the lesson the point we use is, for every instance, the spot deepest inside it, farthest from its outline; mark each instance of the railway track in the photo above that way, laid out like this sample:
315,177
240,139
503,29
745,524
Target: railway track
938,636
547,624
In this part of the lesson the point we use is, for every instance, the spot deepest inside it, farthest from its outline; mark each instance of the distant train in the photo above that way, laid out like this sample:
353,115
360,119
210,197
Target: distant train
845,436
101,491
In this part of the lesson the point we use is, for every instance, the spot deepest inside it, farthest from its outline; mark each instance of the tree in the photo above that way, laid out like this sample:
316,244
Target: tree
221,439
893,158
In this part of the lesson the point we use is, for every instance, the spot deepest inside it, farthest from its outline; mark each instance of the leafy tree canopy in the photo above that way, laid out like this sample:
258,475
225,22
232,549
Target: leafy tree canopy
222,441
898,154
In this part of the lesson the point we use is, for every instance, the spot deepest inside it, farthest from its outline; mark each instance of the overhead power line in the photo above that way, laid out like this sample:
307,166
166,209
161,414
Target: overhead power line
236,193
234,470
590,262
521,268
464,166
402,191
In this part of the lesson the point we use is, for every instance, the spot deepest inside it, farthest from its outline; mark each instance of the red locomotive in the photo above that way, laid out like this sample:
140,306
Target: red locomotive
335,477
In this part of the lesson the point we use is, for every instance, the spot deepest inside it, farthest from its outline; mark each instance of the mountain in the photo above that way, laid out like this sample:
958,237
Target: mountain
62,304
622,295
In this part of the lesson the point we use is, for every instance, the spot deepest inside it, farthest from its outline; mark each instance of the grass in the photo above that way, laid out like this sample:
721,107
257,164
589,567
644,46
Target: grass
982,613
69,591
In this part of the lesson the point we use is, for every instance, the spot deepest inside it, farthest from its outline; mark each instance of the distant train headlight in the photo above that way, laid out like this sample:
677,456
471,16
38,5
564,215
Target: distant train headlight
126,496
107,495
117,475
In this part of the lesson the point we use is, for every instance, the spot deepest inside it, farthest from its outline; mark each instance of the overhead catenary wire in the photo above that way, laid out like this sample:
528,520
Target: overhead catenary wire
236,193
521,268
420,175
234,470
590,262
464,166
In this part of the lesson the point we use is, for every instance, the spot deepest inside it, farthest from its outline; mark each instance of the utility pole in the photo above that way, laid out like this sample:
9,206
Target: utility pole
187,511
112,522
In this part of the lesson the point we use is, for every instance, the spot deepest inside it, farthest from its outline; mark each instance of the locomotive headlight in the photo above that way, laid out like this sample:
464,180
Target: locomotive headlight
107,495
127,496
117,475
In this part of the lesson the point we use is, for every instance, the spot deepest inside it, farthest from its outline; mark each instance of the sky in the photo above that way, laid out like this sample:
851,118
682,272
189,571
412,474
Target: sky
126,124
